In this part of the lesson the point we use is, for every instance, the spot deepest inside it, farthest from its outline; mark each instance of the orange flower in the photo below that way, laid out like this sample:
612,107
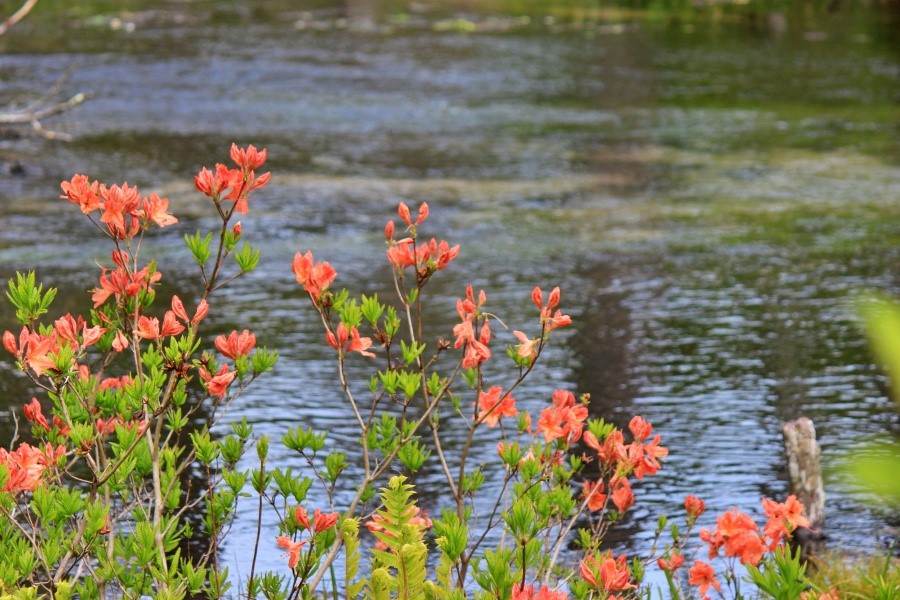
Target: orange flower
748,547
622,495
236,344
357,344
119,203
549,319
293,549
739,535
703,576
248,158
402,254
610,574
551,424
476,353
217,385
238,183
733,523
122,283
9,342
640,428
314,277
178,309
154,210
593,493
564,419
38,352
694,507
643,458
147,328
784,518
213,184
403,211
322,521
34,414
493,404
26,465
120,342
526,347
85,195
301,517
170,325
673,563
519,592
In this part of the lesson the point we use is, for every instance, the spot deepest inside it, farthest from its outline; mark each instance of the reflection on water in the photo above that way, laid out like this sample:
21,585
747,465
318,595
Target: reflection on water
708,193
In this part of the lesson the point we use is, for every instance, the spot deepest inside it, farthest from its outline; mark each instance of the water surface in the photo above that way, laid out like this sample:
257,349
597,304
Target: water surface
709,192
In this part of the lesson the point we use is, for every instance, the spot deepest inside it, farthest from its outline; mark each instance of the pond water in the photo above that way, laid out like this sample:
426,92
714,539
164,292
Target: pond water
710,189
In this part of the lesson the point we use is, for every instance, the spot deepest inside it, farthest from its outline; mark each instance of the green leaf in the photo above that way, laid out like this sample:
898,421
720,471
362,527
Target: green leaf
29,298
870,464
198,246
413,455
881,318
335,463
247,258
350,536
371,309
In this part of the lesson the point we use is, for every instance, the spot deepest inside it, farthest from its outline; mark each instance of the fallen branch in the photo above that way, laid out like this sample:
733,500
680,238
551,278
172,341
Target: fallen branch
42,108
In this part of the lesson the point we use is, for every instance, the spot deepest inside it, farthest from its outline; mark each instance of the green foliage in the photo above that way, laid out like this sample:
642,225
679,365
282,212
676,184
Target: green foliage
29,298
350,537
413,455
452,535
199,246
400,568
881,320
247,258
371,309
857,578
301,440
781,576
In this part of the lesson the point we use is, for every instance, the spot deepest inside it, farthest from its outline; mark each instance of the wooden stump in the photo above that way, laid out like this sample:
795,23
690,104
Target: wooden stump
805,472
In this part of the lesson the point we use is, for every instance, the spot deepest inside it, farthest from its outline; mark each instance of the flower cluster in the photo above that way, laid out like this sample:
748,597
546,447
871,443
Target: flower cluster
607,573
349,341
623,460
521,592
26,465
550,319
473,333
314,277
425,258
234,185
54,351
122,209
321,522
736,536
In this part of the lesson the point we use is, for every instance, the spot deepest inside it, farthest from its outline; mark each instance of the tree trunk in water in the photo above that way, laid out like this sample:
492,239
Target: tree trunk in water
805,472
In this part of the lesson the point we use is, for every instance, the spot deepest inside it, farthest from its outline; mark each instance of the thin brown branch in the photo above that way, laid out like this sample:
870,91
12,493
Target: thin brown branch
17,16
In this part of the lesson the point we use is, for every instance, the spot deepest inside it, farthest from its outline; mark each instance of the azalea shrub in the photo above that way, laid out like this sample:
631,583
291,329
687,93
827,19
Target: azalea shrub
131,475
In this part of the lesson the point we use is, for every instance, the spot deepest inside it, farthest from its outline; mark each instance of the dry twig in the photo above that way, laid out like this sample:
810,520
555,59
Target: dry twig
44,107
17,16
